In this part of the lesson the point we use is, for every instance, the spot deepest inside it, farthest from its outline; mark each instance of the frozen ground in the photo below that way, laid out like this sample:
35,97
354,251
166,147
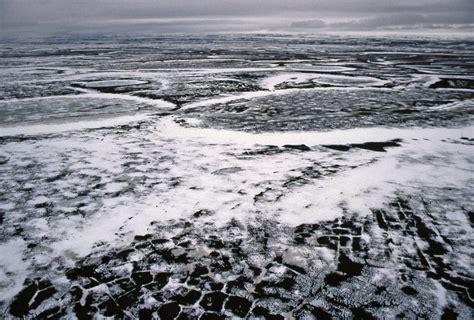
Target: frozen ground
237,176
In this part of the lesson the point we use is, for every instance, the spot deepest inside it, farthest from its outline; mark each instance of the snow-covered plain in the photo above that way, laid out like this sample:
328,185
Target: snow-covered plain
145,180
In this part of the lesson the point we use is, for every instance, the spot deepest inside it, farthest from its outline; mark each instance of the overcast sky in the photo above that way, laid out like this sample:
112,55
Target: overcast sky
164,16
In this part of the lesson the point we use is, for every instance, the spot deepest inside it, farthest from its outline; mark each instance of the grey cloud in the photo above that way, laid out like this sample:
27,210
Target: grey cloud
384,21
309,24
391,21
219,15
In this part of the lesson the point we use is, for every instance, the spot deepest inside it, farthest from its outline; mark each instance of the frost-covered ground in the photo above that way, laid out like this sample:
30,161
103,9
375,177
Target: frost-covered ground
237,176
